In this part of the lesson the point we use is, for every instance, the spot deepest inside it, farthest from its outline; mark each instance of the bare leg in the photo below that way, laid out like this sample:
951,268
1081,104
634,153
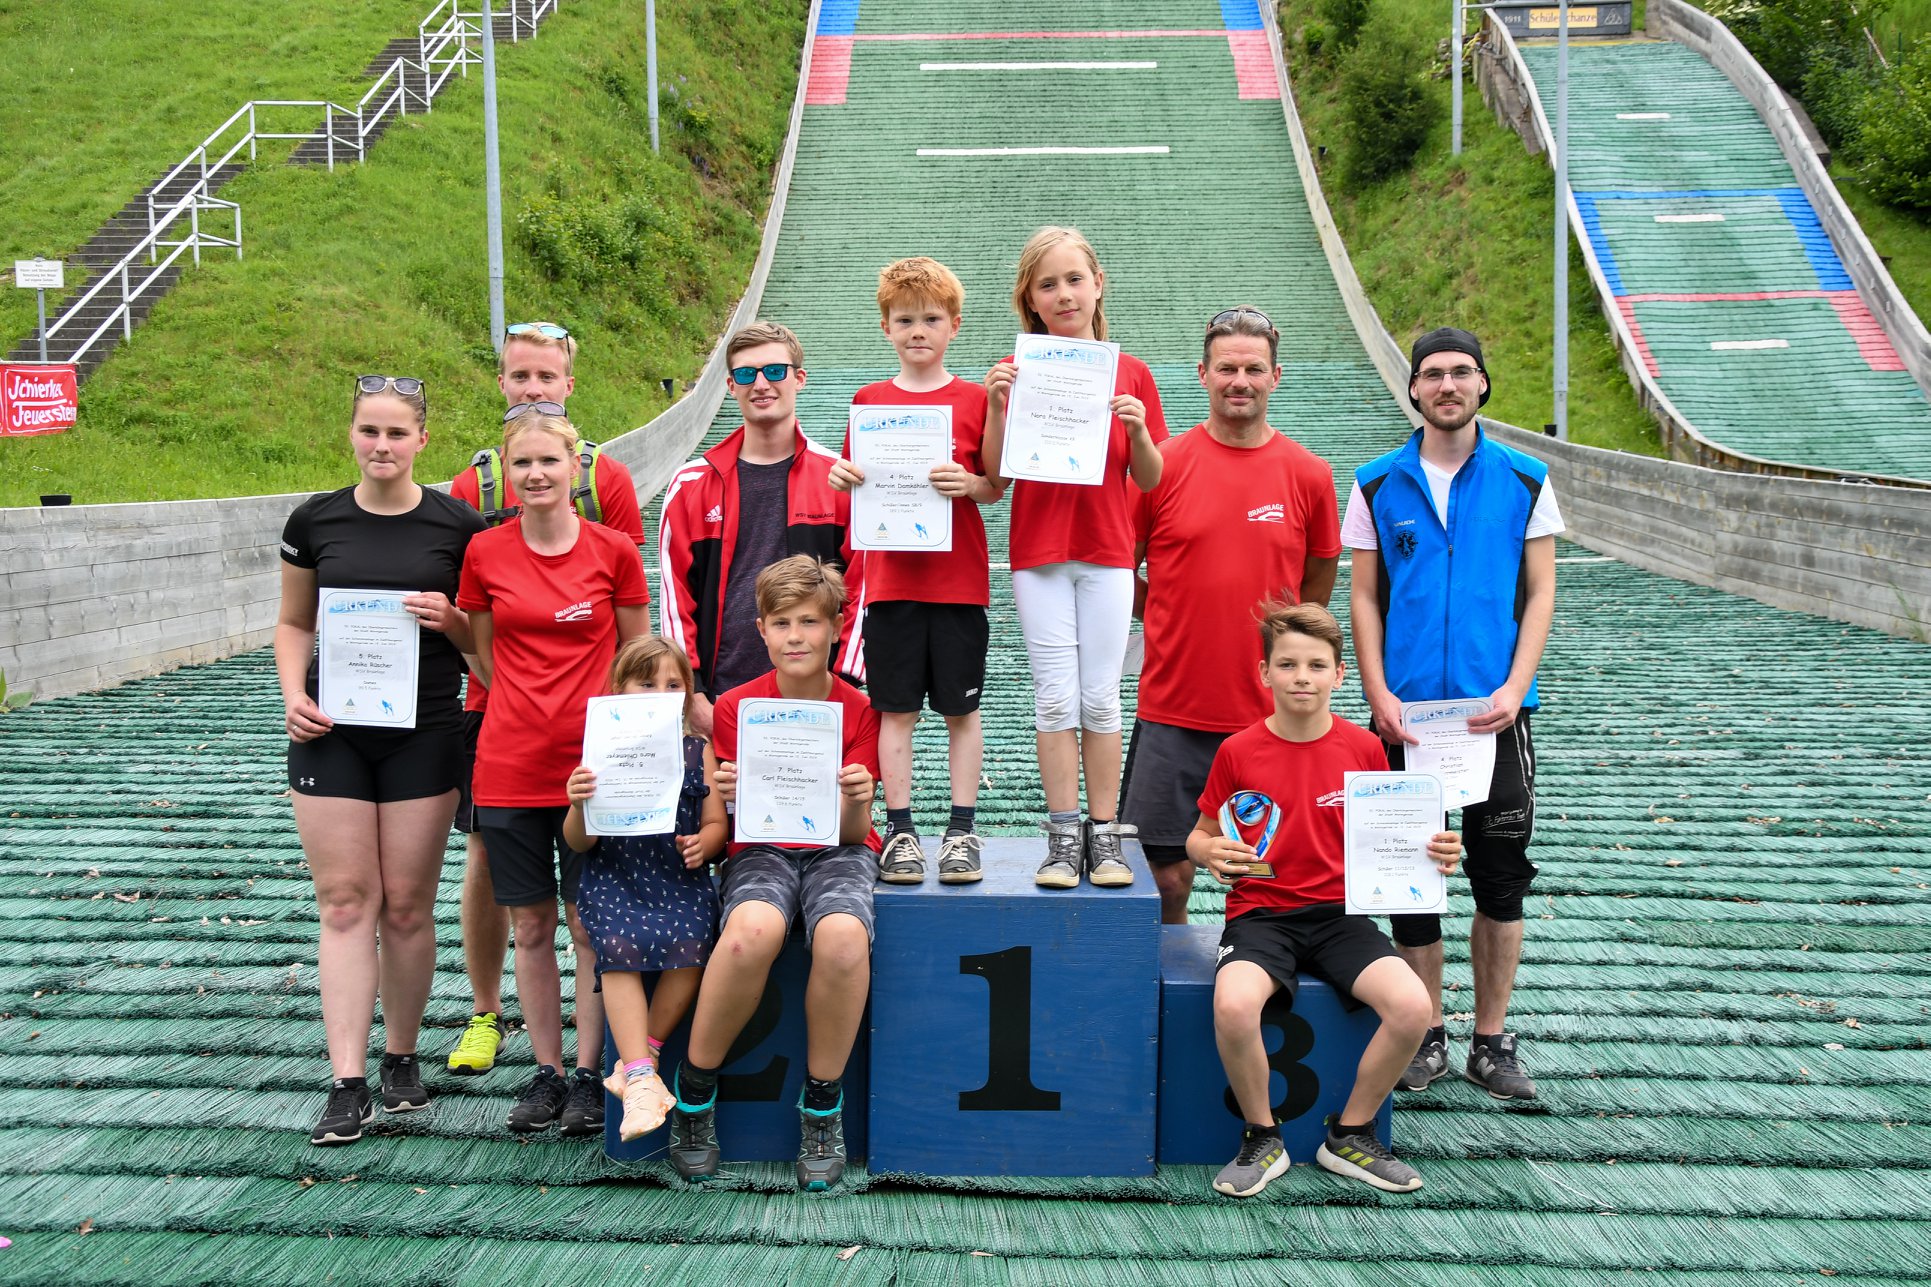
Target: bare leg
1426,962
414,835
1395,994
538,989
841,976
589,1016
671,1002
1059,769
340,840
1240,990
965,756
895,755
1495,949
630,1016
1100,753
1175,881
734,980
486,930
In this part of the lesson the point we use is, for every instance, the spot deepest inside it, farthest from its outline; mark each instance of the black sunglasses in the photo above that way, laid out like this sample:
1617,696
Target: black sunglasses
773,371
1232,316
540,408
407,385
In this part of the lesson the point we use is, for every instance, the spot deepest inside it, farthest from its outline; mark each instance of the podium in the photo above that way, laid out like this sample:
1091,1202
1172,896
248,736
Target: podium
1199,1121
1014,1029
761,1079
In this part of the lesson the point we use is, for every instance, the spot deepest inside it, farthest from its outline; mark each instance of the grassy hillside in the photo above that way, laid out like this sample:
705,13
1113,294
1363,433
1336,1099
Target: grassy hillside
1467,242
240,382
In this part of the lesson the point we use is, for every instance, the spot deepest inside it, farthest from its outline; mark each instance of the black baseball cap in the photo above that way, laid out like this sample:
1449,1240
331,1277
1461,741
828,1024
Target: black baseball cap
1446,339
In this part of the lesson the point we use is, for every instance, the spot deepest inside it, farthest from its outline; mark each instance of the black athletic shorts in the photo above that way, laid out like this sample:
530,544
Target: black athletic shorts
1166,770
527,853
466,803
918,650
1322,940
379,764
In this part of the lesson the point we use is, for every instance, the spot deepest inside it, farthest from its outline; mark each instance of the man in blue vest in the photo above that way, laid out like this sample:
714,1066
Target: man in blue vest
1454,583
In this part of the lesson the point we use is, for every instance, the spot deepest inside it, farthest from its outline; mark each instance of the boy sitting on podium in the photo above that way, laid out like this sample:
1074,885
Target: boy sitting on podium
1284,910
768,886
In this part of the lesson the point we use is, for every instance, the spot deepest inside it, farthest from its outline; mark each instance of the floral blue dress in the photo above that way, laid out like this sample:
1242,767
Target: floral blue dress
643,909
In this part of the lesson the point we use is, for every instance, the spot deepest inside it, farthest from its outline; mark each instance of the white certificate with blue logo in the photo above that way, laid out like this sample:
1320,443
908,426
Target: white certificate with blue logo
897,507
1059,416
634,743
368,646
1464,761
1389,820
789,755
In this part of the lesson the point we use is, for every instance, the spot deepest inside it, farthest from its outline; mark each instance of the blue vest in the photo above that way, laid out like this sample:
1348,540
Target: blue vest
1451,596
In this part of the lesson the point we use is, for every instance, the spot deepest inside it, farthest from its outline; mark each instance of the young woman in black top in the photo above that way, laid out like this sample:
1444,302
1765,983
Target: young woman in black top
373,805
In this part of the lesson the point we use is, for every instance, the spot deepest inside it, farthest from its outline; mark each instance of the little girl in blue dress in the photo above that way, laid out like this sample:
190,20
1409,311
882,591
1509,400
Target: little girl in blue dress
647,902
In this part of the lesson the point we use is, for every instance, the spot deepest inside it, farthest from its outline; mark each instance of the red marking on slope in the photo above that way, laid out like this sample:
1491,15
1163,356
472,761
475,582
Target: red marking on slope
1153,33
1253,64
831,70
1627,307
1872,343
1724,297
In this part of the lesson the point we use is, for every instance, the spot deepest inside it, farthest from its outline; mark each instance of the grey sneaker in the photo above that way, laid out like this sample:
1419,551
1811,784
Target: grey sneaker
1492,1066
903,861
1262,1157
1430,1063
1064,857
821,1147
959,859
1367,1159
693,1150
1105,866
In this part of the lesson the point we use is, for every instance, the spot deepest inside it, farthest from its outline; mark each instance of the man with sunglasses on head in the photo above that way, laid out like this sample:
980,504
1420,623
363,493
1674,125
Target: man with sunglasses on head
536,374
1454,586
761,495
1243,515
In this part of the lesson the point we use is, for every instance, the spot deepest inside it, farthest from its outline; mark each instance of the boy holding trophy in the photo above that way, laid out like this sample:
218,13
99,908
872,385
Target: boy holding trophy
1271,826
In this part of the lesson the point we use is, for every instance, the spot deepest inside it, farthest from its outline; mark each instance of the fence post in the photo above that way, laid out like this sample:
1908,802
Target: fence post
127,306
194,231
238,233
253,130
328,130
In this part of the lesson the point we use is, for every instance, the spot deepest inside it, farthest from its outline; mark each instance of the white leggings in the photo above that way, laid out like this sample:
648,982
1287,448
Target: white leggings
1075,617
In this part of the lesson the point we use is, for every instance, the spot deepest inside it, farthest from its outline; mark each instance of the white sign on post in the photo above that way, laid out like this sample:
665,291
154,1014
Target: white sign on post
39,274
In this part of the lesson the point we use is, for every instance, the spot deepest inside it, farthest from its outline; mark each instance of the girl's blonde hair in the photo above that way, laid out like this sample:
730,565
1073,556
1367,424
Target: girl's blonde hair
637,662
1049,238
562,428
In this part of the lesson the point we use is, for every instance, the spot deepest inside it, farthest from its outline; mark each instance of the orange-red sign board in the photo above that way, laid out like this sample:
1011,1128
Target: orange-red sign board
37,398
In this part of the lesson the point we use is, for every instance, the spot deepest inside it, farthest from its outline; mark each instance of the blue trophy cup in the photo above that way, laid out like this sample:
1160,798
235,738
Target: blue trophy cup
1254,820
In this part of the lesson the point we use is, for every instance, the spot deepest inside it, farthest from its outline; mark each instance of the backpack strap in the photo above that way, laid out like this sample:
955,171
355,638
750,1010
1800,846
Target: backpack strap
589,504
488,464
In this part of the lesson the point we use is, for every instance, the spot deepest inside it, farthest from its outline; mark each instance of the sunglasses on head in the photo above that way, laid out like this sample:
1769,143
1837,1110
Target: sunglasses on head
1232,316
548,329
537,408
407,385
773,371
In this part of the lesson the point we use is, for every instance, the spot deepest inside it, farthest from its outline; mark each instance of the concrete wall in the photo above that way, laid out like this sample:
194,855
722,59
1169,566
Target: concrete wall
1853,552
95,595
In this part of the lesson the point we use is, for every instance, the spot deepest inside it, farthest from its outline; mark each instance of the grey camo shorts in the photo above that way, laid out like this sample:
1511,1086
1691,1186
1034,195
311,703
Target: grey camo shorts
816,882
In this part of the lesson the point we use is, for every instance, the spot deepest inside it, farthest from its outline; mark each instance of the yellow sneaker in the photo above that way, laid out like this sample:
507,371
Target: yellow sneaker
647,1101
475,1053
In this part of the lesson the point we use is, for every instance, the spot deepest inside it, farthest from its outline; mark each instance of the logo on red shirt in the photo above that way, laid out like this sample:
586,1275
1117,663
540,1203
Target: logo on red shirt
716,515
1332,800
1274,512
578,611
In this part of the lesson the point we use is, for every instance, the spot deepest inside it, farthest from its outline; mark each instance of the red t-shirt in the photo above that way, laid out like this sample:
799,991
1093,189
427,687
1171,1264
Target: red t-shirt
1305,780
553,631
617,495
958,575
1226,528
1069,523
861,733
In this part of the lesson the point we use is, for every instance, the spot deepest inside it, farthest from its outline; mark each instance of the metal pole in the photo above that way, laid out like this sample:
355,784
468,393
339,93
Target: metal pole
650,65
1561,416
492,181
40,307
1455,94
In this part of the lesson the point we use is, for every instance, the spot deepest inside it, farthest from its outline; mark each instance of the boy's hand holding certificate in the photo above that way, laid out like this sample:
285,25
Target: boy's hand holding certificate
1059,417
369,645
1464,761
1391,820
787,771
897,507
635,746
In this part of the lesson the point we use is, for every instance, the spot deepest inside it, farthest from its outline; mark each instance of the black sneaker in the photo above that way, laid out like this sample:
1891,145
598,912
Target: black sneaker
1430,1063
542,1100
821,1146
1365,1158
693,1151
402,1090
348,1110
583,1105
1492,1066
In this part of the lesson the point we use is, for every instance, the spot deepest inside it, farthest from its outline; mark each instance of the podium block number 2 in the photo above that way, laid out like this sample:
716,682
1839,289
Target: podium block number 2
1009,1084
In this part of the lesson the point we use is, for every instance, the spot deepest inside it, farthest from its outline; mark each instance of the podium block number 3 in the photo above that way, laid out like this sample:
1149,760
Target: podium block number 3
1297,1042
1009,1036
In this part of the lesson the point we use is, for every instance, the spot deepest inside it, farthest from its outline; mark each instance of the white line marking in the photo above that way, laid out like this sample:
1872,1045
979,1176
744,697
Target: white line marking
1749,344
1642,116
1042,66
1708,216
1160,150
1587,558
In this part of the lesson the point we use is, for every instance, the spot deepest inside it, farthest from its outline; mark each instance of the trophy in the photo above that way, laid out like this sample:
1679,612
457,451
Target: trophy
1252,818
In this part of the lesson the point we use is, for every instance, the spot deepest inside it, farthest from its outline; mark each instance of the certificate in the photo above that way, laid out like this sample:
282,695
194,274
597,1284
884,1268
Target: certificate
368,649
789,755
1390,817
897,507
1059,417
635,745
1464,761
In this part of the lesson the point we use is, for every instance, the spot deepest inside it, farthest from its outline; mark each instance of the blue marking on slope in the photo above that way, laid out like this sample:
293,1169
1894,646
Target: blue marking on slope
1241,15
838,18
1598,240
1831,274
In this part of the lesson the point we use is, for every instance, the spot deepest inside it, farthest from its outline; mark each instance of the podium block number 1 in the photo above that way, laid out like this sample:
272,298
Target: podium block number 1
1009,1084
